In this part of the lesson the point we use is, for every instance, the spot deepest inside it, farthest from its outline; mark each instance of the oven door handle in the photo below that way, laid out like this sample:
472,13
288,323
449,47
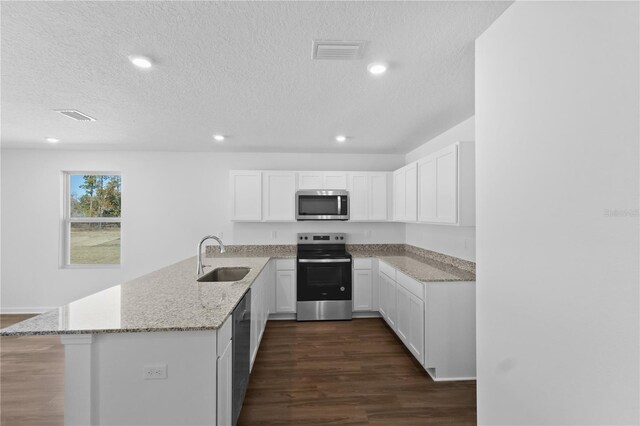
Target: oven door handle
324,260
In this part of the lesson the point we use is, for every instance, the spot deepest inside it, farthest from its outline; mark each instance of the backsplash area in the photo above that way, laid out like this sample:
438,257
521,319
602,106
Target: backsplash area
289,250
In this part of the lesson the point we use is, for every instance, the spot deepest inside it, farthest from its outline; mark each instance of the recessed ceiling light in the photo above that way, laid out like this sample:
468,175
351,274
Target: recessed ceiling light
341,138
377,68
52,140
141,61
219,138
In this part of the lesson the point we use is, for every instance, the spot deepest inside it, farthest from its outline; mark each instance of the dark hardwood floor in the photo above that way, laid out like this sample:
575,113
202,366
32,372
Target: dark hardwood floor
31,378
347,372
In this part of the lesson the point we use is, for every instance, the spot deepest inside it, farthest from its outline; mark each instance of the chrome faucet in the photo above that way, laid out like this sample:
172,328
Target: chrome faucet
200,266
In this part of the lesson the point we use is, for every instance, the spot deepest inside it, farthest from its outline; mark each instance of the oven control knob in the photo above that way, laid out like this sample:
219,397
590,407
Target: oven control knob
341,288
306,238
342,238
300,237
336,238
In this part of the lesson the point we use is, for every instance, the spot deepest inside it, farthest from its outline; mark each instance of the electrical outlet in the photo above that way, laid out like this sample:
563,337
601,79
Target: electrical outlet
155,372
367,233
274,234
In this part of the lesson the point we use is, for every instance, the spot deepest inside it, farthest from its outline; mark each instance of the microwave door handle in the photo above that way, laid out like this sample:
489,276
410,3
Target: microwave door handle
339,204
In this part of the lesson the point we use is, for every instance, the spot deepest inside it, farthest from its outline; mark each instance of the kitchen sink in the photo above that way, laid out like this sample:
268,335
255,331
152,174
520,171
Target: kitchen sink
224,275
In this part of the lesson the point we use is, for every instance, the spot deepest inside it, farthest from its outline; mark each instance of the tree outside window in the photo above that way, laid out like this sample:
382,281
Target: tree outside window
93,209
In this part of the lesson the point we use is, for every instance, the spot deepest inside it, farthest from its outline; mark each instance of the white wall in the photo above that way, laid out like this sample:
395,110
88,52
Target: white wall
557,118
170,200
458,241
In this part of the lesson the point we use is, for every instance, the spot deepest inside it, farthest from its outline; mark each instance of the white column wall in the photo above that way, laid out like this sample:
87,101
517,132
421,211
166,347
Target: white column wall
557,155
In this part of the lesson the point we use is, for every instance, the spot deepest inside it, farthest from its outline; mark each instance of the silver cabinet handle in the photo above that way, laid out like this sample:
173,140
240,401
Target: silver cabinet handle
324,260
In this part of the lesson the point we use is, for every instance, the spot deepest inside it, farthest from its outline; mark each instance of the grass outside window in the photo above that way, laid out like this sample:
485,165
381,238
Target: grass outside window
92,213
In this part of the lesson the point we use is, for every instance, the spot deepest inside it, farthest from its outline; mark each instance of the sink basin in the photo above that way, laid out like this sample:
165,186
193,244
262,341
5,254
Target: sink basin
224,275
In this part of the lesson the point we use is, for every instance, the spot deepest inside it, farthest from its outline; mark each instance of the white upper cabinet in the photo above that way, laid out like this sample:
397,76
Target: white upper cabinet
269,195
368,196
378,196
446,186
335,180
246,195
278,198
322,180
405,193
310,180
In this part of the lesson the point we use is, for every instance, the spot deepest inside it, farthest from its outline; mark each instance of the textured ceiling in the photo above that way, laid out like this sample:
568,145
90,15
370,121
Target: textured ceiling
243,69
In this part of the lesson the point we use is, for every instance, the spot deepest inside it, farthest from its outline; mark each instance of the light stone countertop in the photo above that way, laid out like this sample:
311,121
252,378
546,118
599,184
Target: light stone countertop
169,299
427,270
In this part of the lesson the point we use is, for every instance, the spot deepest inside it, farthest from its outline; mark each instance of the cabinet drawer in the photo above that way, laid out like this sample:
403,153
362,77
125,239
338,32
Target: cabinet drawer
387,270
224,335
413,286
362,263
286,264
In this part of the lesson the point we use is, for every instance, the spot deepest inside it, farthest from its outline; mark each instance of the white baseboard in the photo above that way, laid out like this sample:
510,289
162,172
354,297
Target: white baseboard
38,310
366,314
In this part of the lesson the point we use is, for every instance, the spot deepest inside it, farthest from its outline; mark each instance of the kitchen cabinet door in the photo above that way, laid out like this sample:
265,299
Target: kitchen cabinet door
270,287
286,291
411,193
415,342
246,195
224,386
359,196
279,196
362,290
378,196
446,188
392,307
382,295
447,185
310,180
403,298
427,211
335,180
399,206
254,341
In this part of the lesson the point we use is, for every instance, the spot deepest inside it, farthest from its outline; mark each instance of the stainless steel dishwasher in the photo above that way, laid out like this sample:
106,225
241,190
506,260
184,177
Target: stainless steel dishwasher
241,353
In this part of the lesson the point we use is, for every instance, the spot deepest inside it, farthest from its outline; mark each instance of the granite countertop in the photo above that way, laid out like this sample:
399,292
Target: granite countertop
420,264
427,270
169,299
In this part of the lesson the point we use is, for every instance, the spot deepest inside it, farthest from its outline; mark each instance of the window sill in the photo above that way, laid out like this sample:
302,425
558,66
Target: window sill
91,266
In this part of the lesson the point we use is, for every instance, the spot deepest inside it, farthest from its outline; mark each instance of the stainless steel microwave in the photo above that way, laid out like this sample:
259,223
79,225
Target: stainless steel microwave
322,204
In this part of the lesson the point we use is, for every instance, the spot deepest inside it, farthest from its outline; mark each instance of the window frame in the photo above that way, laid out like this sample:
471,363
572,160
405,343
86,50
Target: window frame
67,220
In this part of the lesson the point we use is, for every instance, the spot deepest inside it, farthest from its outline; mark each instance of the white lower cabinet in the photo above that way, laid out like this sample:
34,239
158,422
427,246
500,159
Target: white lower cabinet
403,322
364,286
435,320
388,299
286,286
362,290
224,374
416,330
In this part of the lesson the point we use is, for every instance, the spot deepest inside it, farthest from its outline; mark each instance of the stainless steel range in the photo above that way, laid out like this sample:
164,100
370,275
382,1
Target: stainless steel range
324,278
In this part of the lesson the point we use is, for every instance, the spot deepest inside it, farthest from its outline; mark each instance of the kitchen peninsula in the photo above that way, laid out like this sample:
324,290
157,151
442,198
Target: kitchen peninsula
153,350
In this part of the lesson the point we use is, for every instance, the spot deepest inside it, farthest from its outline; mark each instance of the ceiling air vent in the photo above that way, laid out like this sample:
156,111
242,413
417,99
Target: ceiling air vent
338,50
75,114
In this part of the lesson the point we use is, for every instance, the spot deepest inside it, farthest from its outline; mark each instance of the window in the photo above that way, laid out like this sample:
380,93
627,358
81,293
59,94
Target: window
91,222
